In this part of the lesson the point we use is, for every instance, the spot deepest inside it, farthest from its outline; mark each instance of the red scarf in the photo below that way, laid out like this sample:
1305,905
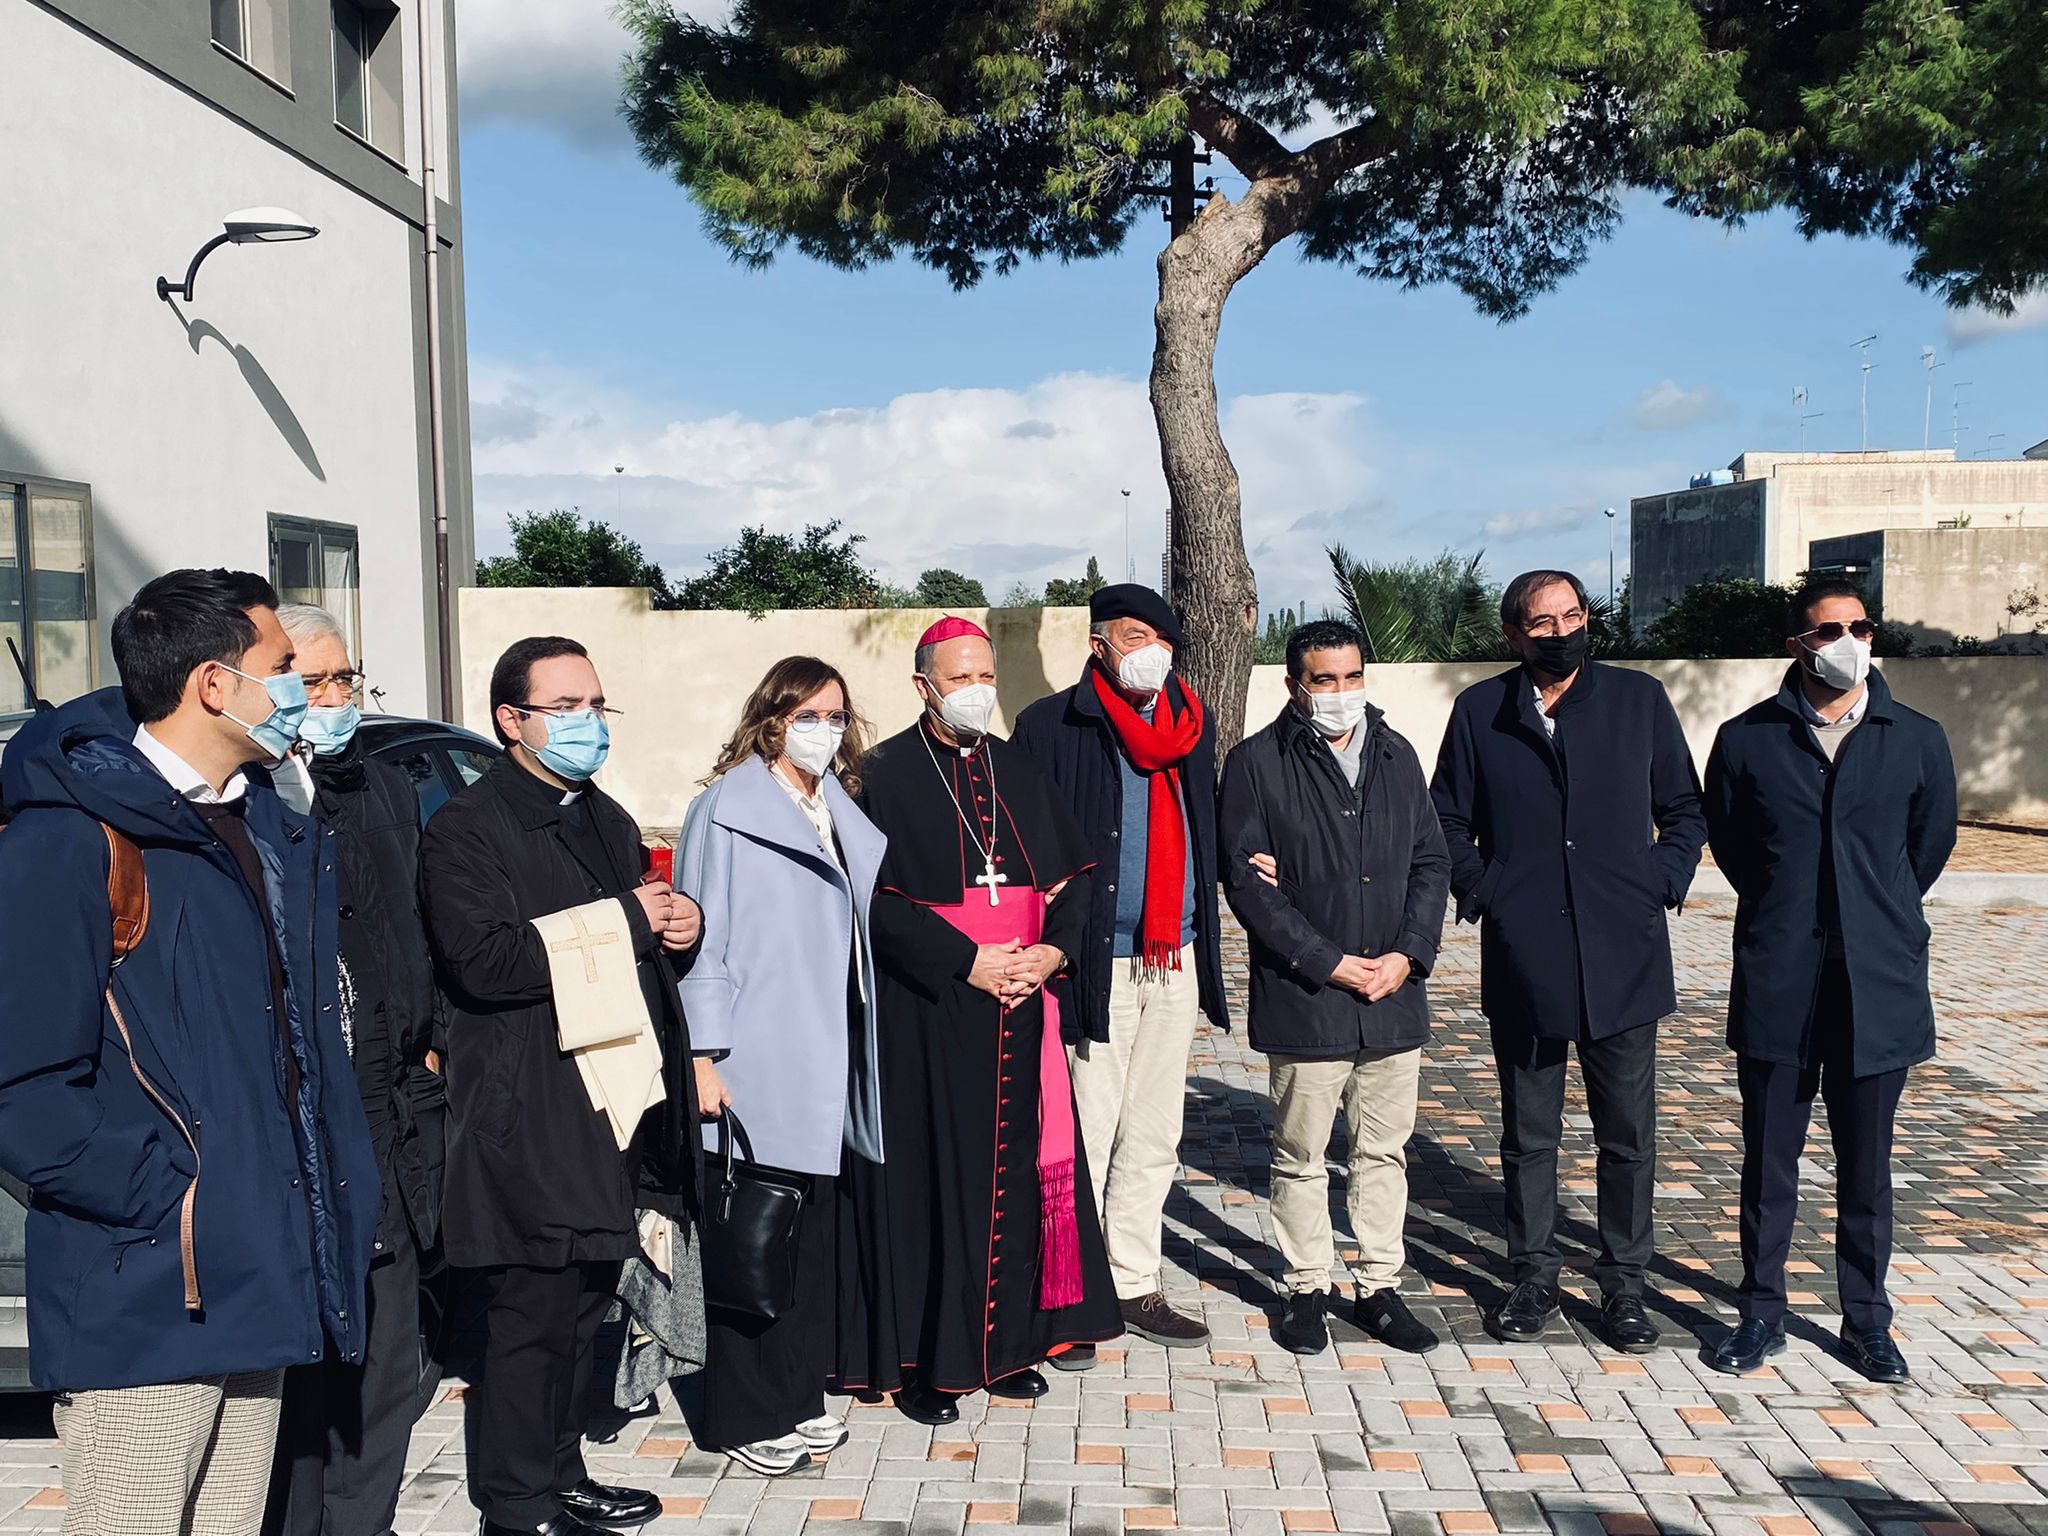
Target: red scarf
1156,748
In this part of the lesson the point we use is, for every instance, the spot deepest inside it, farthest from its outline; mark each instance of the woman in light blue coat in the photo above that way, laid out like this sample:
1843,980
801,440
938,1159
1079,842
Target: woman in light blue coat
781,1004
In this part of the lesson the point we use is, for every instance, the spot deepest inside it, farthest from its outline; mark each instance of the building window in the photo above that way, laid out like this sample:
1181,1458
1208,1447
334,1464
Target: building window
369,83
317,563
258,33
46,602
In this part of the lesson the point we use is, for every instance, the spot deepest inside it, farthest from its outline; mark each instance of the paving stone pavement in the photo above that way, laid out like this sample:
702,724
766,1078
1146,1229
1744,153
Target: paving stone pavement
1478,1437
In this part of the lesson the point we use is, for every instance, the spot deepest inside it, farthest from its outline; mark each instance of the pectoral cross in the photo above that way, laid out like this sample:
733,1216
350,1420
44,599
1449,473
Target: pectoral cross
991,879
587,942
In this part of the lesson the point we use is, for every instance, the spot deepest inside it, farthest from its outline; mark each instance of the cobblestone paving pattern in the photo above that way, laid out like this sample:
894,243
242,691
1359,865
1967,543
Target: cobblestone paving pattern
1560,1435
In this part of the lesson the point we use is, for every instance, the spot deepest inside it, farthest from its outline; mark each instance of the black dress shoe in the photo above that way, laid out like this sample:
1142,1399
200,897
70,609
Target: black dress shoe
1301,1327
561,1525
1872,1352
1386,1317
1530,1308
1081,1357
1023,1386
1748,1347
927,1406
600,1504
1627,1326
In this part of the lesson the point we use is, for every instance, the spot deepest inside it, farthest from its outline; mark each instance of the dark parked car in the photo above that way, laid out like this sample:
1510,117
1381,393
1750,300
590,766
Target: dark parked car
441,760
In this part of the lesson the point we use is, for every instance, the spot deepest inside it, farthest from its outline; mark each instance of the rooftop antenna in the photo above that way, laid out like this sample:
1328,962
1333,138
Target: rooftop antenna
1927,424
1955,416
1799,399
1866,367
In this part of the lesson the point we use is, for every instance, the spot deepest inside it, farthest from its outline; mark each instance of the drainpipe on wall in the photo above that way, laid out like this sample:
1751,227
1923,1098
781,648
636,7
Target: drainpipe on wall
444,596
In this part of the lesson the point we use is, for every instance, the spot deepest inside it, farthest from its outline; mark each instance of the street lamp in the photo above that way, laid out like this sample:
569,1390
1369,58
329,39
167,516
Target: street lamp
619,493
252,226
1130,570
1610,556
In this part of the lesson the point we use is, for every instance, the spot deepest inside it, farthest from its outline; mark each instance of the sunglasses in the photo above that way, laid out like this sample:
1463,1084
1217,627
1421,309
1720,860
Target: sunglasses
1833,630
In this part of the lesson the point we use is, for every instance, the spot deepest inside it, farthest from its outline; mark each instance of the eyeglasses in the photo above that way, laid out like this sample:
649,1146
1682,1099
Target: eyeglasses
1833,630
810,720
320,682
1547,623
568,709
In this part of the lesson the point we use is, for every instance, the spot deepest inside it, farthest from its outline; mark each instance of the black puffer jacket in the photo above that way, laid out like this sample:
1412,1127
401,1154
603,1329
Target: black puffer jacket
375,817
1363,871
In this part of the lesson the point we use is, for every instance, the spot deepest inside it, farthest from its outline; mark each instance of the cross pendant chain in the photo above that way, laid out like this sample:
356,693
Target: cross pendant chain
991,879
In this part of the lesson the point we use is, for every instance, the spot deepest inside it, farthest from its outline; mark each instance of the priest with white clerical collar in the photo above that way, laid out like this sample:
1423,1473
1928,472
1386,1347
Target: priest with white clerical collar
570,1101
974,1253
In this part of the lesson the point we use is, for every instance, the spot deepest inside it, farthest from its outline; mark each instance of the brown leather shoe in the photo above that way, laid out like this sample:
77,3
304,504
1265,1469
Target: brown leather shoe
1149,1317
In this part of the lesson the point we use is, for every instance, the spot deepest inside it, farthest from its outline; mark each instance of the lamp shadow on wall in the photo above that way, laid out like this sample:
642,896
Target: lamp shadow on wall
261,385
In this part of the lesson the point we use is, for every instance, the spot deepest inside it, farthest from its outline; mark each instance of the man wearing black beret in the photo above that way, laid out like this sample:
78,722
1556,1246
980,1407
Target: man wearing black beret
1135,753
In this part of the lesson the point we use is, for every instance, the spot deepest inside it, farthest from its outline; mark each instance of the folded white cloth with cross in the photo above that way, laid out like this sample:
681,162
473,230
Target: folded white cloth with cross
601,1015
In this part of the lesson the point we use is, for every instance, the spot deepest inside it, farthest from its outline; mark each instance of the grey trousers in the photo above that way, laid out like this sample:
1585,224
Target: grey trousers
188,1458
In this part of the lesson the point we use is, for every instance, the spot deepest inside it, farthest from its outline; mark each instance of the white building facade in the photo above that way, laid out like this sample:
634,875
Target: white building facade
279,419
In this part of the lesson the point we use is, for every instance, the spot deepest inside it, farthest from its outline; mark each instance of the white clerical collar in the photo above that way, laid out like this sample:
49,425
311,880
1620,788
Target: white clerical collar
1848,716
183,777
570,796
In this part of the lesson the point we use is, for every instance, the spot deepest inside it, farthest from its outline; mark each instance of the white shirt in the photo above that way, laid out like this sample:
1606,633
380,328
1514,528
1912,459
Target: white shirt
183,777
1549,724
1848,716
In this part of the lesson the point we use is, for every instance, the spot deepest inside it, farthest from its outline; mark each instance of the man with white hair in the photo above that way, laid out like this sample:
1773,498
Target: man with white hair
345,1426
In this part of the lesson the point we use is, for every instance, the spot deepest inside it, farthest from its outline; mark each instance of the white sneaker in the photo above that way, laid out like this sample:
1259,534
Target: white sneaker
773,1458
823,1435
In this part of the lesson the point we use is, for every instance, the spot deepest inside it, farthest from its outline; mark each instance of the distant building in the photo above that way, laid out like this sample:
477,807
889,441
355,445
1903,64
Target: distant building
276,420
1917,527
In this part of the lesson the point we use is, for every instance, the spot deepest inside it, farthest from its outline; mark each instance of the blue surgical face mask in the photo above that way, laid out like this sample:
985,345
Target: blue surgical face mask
329,728
276,732
578,742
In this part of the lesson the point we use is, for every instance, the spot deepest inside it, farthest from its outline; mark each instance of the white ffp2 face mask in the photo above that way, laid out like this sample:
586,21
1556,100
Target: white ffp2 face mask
1144,670
1841,664
815,749
1335,715
967,710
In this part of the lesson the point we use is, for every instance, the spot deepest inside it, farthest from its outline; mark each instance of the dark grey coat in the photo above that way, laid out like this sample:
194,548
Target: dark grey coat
1362,871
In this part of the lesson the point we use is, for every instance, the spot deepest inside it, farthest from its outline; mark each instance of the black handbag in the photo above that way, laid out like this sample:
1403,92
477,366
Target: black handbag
750,1226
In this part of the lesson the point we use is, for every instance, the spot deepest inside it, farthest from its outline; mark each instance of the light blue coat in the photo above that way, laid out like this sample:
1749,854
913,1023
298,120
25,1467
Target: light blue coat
768,988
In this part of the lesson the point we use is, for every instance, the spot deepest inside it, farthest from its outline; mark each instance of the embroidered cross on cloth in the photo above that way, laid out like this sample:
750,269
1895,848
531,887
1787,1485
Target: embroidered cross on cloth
601,1014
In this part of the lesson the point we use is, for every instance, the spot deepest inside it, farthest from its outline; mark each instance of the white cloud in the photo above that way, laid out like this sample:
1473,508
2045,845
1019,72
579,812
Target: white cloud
1967,327
1665,407
1526,522
1004,484
550,64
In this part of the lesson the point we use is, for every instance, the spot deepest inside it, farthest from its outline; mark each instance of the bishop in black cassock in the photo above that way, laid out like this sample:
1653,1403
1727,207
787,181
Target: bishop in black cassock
974,1252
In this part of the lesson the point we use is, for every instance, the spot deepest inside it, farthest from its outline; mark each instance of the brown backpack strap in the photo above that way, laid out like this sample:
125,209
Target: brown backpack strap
128,901
127,893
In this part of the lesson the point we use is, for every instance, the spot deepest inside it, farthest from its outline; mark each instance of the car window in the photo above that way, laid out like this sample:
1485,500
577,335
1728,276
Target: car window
471,763
422,766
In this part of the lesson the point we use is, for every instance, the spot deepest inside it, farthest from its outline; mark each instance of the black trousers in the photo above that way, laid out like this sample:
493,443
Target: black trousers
763,1379
541,1334
344,1429
1621,1092
1777,1106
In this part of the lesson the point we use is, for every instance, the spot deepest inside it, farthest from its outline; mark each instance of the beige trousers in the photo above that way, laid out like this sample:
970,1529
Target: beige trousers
189,1458
1378,1090
1131,1091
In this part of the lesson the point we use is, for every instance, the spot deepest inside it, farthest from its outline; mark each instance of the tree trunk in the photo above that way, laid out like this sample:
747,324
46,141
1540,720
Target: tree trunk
1213,586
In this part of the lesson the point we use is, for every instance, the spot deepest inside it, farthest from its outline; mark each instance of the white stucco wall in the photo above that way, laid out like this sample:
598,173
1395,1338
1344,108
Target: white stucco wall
681,678
289,390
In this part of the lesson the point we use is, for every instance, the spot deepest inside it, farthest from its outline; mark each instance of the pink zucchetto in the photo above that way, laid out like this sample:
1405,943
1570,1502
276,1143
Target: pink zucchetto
950,628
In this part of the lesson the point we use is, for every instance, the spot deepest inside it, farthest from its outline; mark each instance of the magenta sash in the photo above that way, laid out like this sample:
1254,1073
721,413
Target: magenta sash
1019,914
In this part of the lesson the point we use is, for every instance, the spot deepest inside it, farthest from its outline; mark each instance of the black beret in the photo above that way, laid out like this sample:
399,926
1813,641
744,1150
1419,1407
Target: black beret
1128,600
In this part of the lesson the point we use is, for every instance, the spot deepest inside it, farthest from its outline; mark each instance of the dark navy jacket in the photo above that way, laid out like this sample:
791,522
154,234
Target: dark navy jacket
1070,738
287,1203
1568,852
1882,821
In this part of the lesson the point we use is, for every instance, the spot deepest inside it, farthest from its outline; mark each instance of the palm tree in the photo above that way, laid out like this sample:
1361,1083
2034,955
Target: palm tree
1415,612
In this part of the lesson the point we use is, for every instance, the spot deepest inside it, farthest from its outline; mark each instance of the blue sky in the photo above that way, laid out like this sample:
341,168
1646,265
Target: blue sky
993,430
